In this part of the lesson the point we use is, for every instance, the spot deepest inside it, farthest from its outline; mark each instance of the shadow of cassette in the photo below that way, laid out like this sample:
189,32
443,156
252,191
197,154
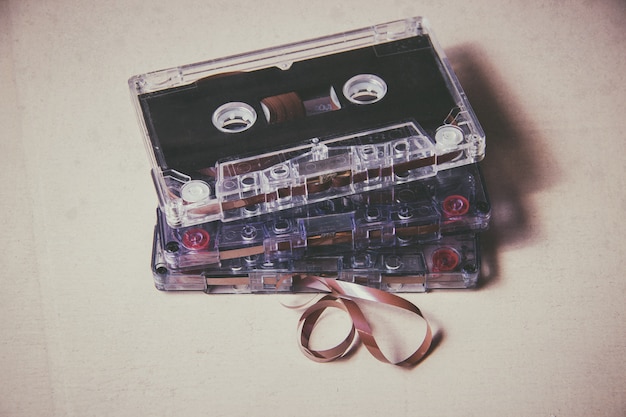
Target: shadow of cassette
516,165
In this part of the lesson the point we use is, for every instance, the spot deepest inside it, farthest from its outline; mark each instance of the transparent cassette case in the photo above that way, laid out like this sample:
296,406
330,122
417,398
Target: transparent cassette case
288,126
452,262
455,201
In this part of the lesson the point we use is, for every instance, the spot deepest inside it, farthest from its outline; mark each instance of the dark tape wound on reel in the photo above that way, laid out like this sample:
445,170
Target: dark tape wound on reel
293,105
283,107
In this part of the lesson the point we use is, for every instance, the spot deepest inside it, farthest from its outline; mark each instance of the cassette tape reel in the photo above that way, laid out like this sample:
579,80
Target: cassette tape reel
288,126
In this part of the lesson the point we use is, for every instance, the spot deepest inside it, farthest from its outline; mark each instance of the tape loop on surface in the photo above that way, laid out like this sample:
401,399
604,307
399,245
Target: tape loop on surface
345,296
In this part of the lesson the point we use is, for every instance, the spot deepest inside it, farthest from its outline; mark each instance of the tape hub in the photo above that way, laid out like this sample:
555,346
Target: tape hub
405,213
405,196
234,117
393,262
365,89
249,232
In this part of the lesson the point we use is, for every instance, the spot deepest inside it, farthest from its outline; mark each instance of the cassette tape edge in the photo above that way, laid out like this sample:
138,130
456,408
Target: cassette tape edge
450,263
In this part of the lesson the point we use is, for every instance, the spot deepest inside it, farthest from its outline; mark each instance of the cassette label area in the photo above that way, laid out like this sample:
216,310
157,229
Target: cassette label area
301,123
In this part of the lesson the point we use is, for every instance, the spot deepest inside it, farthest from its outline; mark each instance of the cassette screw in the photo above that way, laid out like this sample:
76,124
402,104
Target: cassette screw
251,209
172,247
482,206
326,207
248,232
405,213
469,268
405,196
393,262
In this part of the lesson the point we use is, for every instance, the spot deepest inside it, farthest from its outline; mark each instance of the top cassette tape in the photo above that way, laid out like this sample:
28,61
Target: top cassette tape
292,125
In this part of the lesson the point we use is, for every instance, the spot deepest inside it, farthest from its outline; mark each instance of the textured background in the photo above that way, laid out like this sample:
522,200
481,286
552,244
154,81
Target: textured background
84,333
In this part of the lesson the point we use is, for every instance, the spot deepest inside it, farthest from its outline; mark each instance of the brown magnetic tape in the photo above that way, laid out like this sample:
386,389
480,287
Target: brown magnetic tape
346,296
284,107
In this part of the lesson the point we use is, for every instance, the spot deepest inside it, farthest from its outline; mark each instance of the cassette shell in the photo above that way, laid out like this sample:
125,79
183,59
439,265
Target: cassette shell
348,88
421,211
450,263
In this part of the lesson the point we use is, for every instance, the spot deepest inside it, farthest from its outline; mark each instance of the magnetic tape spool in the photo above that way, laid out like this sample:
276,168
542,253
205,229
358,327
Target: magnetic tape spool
283,107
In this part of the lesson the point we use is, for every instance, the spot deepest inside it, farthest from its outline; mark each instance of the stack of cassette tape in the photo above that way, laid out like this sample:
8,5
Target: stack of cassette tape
353,156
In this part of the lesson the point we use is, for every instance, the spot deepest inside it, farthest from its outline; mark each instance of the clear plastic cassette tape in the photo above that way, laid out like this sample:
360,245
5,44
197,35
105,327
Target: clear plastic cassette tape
451,262
455,201
293,125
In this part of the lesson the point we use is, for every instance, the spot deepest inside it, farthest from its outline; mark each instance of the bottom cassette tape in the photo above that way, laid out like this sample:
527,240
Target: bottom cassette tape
451,262
453,202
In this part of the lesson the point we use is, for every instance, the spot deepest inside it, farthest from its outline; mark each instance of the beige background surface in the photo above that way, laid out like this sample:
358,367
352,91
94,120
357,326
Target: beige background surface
84,333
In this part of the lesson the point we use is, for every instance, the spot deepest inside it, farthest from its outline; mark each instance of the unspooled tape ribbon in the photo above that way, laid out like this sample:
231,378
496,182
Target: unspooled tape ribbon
345,296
